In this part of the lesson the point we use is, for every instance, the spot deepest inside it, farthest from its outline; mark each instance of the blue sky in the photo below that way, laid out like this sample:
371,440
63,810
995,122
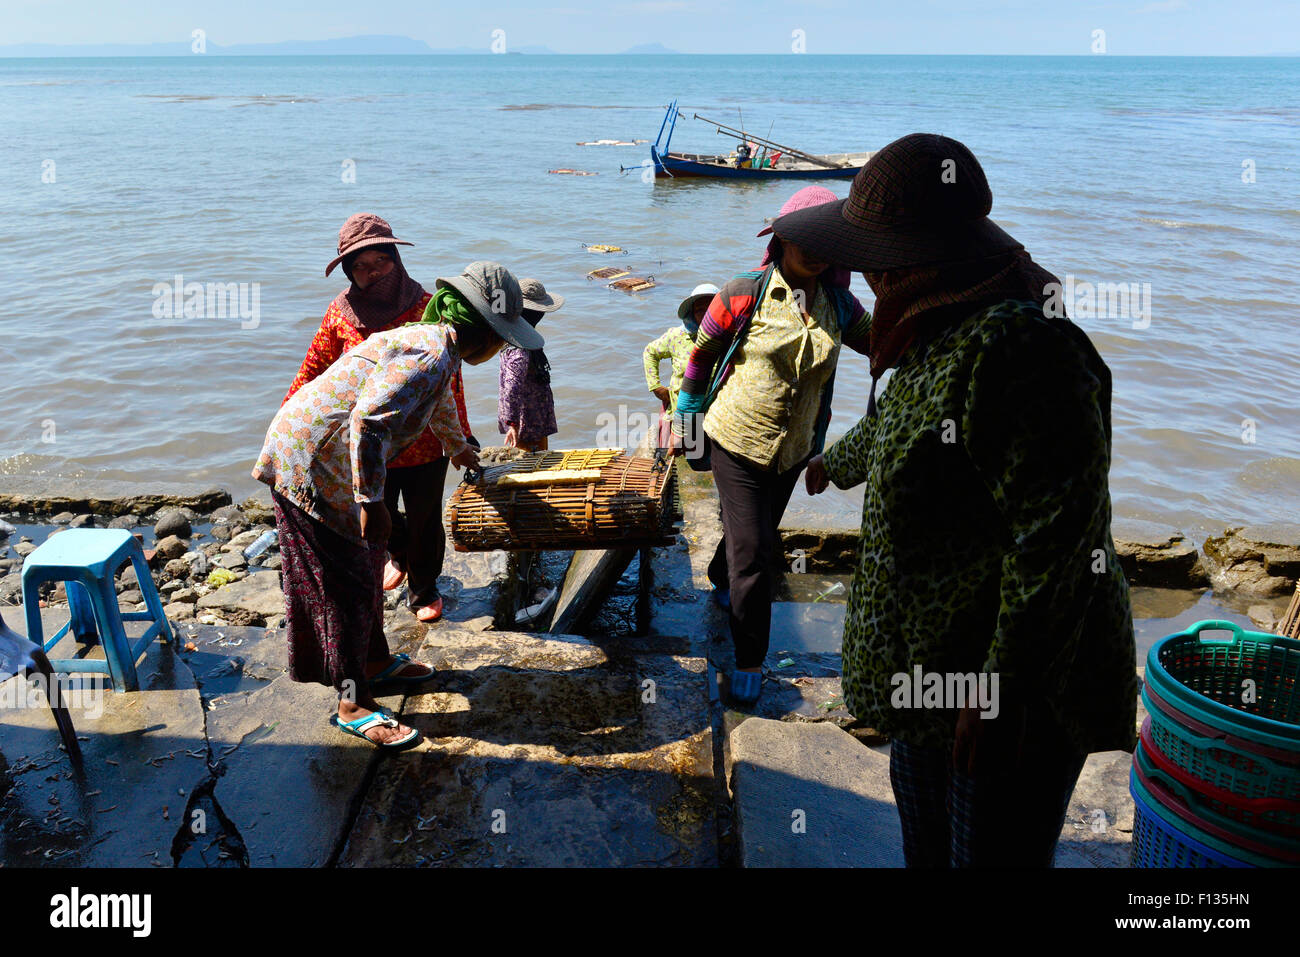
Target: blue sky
1139,27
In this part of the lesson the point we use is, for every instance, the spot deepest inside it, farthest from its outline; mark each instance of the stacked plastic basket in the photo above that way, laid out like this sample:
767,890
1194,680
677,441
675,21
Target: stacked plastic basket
1216,774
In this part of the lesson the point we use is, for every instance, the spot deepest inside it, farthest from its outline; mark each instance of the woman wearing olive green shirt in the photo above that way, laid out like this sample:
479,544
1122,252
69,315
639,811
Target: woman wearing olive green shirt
986,550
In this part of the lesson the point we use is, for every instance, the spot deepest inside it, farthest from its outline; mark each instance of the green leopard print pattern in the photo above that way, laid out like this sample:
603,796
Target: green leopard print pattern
986,543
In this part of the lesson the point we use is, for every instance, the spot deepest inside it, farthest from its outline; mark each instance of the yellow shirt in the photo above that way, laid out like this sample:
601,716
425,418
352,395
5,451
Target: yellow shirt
766,411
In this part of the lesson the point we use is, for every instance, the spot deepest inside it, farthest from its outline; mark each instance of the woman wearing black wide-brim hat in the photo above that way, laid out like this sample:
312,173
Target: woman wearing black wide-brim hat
986,560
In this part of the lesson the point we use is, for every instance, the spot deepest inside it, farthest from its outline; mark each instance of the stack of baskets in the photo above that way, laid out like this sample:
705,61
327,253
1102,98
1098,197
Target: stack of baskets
1216,774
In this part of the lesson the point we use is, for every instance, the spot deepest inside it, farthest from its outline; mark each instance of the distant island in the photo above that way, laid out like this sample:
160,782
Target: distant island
380,45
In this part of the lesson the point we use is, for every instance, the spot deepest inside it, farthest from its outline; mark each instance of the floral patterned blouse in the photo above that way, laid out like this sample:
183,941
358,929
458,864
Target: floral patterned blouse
328,447
336,336
525,400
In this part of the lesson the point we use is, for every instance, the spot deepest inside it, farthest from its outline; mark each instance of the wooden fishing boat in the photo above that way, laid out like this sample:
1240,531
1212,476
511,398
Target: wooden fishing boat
768,159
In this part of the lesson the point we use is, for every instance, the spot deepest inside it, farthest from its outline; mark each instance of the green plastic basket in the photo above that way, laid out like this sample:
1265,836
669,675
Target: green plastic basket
1206,678
1184,798
1237,777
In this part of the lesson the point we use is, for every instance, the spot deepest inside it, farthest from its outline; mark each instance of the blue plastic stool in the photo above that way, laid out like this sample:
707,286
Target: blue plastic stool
87,559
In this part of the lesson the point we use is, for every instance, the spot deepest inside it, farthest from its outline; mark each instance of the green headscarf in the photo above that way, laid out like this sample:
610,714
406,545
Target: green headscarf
450,308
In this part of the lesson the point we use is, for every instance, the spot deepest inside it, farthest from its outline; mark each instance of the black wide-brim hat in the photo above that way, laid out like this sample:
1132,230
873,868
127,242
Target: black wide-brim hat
921,199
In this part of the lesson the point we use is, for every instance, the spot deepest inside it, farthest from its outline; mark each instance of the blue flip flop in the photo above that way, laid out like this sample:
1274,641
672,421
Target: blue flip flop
389,675
360,726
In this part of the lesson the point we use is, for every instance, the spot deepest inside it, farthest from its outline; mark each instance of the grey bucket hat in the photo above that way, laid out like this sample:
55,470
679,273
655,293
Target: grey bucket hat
495,295
537,298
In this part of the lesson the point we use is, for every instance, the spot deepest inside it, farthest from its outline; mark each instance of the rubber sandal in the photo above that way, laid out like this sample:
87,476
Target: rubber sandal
393,576
430,612
746,686
390,676
360,726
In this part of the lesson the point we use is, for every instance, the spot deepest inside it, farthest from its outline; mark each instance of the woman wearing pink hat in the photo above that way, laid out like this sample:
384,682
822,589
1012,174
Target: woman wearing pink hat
763,369
383,296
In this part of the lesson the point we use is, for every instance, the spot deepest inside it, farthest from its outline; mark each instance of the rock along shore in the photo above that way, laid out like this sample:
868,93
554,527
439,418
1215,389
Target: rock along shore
1259,561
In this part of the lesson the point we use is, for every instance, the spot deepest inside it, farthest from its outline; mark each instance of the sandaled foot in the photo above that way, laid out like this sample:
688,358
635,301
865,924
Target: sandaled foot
393,576
379,728
400,670
431,612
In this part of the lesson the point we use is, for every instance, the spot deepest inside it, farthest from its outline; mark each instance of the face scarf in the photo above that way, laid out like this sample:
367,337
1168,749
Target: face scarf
378,305
919,301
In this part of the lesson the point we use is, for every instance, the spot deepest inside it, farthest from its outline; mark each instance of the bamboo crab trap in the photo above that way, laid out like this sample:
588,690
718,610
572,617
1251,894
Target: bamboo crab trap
582,498
1290,624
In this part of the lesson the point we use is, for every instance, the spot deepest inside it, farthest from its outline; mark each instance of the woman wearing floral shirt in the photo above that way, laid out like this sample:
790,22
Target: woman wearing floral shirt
383,296
326,459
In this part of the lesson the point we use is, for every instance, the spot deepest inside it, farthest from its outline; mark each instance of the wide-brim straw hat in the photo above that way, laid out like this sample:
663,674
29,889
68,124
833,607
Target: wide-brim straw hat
921,199
495,295
705,290
361,231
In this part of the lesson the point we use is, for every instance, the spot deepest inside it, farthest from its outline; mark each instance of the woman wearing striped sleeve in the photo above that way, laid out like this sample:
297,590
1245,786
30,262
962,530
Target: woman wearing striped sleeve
768,416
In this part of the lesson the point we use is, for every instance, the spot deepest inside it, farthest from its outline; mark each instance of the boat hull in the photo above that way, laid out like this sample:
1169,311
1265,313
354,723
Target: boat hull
670,167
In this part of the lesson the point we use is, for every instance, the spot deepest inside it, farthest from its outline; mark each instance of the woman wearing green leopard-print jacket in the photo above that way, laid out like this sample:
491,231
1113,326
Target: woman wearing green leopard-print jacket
986,562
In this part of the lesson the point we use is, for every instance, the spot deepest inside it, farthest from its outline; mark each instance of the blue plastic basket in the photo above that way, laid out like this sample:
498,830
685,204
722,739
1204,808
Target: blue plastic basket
1158,843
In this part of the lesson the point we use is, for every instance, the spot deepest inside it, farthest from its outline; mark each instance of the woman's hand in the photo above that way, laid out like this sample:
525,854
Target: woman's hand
512,435
466,460
989,745
662,395
376,523
815,477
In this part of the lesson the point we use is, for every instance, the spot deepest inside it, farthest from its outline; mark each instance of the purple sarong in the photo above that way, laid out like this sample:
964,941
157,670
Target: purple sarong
333,600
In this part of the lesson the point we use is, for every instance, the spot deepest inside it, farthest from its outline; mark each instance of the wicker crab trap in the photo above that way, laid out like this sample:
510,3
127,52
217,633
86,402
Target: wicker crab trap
581,498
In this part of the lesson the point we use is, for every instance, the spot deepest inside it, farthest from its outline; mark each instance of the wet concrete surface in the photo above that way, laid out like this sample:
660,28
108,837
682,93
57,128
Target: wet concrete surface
613,749
546,751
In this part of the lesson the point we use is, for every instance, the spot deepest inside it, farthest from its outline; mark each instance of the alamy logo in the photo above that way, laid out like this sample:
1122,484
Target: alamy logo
212,300
1102,300
74,910
951,690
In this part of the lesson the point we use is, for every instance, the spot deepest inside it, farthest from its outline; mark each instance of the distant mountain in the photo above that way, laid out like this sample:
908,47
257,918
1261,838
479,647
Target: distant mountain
649,48
341,46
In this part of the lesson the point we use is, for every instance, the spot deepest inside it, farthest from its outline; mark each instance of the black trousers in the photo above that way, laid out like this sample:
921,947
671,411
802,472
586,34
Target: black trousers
418,543
753,502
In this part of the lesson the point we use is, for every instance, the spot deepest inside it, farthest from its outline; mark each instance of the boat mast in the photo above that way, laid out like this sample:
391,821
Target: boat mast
766,142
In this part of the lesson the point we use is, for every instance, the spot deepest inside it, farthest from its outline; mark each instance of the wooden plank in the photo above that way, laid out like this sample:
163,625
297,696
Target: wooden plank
591,574
553,477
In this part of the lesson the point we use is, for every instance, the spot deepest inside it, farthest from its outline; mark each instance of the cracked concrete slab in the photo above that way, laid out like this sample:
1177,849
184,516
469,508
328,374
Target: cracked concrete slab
285,778
546,751
142,754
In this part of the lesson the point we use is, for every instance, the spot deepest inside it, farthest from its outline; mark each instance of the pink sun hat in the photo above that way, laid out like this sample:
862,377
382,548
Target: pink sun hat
808,196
